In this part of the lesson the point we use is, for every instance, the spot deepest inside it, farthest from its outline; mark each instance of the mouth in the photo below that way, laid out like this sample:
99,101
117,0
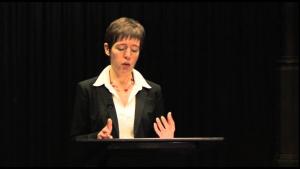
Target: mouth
126,64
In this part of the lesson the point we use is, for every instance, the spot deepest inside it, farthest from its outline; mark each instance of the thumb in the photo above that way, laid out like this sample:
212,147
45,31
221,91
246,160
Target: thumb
109,124
171,120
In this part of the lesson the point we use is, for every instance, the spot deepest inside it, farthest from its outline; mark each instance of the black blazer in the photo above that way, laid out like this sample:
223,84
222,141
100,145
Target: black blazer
94,105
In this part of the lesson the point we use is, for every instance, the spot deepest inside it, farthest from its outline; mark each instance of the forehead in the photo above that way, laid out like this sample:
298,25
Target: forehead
128,41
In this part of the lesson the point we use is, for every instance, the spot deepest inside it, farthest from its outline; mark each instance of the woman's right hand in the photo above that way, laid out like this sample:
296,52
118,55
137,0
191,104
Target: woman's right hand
105,133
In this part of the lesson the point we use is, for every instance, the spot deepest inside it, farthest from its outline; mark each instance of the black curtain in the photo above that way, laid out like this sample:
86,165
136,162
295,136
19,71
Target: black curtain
216,63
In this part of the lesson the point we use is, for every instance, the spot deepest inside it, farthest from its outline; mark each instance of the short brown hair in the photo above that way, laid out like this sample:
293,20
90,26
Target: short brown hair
124,28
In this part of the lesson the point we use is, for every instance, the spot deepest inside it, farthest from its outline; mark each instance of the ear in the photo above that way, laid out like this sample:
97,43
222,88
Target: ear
106,49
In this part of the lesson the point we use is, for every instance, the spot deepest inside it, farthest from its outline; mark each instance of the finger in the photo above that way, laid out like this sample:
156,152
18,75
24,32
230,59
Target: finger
160,126
104,135
170,120
164,122
156,129
109,124
101,135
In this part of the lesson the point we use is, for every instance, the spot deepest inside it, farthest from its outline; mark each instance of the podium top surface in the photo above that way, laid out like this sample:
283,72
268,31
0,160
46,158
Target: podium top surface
178,139
153,143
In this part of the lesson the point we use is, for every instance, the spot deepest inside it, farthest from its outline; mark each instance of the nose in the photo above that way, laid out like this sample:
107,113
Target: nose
127,53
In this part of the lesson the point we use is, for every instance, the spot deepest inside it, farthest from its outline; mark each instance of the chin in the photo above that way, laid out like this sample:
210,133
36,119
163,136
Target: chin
129,69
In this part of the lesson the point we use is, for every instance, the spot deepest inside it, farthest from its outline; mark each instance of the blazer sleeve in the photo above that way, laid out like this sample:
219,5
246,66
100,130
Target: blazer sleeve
80,127
159,108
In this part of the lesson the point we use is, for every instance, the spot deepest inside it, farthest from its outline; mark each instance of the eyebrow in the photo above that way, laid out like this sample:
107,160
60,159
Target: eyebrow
126,44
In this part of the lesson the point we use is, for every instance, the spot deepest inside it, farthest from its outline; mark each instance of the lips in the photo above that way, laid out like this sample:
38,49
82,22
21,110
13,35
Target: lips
126,64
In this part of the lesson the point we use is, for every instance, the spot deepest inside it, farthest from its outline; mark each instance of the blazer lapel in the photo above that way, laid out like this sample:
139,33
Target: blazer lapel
140,100
110,109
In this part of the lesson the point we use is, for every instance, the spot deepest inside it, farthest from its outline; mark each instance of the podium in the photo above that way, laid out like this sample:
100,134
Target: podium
195,151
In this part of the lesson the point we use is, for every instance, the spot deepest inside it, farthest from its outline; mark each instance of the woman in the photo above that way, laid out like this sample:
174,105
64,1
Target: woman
120,103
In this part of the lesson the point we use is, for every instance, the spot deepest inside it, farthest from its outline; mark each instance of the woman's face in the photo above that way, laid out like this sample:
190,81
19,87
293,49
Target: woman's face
123,54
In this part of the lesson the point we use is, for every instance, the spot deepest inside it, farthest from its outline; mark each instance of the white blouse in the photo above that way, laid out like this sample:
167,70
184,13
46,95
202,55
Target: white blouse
125,113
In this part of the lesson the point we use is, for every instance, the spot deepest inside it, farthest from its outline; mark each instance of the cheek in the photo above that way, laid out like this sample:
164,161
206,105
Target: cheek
135,58
114,56
113,59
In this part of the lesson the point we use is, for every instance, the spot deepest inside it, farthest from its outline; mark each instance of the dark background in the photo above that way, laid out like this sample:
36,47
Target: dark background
218,63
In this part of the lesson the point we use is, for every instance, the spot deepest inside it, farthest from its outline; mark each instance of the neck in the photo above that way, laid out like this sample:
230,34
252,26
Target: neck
122,78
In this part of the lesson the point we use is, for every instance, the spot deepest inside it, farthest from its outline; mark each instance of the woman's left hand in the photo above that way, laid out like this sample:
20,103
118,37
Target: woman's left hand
165,128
